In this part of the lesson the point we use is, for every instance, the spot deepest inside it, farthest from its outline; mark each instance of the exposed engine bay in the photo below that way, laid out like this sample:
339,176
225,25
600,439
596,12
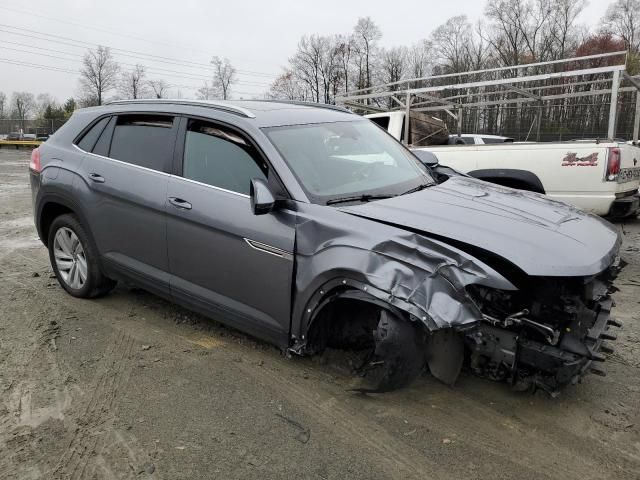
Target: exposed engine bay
545,337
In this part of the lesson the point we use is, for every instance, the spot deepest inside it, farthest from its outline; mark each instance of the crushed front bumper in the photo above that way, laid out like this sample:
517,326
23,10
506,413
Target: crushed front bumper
578,353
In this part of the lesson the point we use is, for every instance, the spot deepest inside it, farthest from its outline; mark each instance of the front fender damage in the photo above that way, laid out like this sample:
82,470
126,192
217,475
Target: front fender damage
423,279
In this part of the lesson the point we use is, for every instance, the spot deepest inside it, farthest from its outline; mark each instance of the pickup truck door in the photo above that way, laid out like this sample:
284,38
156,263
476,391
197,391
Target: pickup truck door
222,257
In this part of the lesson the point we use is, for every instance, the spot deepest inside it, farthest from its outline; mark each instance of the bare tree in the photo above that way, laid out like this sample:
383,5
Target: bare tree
366,35
306,63
344,51
287,87
393,66
224,76
562,28
505,35
159,88
3,104
623,20
133,84
420,59
451,44
24,105
98,75
206,92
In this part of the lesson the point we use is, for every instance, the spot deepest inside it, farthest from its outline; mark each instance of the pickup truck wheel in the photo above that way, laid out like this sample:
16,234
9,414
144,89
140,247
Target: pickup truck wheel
74,259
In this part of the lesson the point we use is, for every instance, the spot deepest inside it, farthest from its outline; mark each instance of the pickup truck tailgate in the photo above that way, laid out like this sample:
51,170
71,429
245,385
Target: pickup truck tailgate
628,178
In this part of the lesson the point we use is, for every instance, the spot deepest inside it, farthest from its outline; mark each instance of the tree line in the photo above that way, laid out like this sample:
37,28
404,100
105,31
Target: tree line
322,67
511,32
101,79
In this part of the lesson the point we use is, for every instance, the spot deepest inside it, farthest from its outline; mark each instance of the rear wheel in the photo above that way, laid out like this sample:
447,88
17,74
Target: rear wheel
74,259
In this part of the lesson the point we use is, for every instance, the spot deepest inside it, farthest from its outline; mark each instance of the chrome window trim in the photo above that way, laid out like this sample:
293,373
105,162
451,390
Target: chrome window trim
121,162
162,173
264,248
210,186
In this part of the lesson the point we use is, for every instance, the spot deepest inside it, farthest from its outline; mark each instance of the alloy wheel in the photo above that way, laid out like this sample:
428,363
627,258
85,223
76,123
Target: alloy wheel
70,258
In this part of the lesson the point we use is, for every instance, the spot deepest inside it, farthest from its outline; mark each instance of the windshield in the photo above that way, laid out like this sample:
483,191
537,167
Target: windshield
339,160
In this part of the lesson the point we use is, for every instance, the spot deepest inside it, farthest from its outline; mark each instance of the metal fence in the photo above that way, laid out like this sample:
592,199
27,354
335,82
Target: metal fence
37,127
581,97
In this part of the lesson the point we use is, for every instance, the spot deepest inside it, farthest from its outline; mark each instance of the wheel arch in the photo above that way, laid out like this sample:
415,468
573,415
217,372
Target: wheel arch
328,294
51,206
510,177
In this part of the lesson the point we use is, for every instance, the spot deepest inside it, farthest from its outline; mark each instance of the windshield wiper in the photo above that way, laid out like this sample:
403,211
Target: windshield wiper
358,198
418,188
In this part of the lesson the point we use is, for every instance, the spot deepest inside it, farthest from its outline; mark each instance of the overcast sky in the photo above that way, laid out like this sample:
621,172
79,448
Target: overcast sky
256,35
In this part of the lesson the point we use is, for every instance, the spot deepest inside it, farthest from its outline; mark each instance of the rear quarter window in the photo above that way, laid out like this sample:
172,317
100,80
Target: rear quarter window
89,139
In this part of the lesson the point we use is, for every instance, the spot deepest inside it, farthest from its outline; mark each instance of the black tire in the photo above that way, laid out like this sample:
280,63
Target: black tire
399,355
96,283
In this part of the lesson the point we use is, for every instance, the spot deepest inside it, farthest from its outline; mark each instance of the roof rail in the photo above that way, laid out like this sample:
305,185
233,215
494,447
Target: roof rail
328,106
227,107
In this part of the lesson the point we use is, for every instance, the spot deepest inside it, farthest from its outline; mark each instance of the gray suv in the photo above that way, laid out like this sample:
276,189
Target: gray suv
309,227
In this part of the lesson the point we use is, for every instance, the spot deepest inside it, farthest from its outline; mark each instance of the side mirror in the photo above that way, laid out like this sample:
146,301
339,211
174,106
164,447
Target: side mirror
262,200
428,158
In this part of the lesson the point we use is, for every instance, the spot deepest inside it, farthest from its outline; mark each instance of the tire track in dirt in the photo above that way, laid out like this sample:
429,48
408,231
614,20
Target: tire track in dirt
487,435
27,345
510,440
398,459
95,438
88,440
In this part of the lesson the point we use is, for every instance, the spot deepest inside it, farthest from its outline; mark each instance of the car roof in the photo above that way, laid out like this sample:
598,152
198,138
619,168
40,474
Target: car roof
262,113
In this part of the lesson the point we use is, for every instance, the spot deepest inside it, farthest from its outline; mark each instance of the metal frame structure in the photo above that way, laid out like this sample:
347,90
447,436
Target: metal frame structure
528,82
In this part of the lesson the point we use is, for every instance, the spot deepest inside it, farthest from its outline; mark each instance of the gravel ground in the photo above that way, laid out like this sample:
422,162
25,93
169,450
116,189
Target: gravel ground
130,386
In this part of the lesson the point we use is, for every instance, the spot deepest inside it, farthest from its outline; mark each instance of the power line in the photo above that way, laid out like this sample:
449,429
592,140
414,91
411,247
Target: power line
38,66
153,70
158,58
119,33
78,46
90,27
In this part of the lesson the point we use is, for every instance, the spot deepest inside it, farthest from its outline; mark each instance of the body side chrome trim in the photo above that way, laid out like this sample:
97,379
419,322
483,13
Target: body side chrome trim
263,247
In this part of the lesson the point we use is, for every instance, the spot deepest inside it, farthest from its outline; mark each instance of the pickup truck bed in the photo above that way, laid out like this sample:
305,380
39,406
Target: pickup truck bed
601,177
580,173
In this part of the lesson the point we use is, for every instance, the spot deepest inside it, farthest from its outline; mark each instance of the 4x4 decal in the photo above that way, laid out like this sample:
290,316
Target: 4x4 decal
572,160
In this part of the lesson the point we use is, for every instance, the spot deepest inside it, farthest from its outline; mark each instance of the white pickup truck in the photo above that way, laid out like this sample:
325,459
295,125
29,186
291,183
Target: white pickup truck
601,177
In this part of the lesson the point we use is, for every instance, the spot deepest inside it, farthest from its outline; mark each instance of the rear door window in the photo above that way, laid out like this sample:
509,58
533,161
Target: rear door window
89,139
143,140
219,157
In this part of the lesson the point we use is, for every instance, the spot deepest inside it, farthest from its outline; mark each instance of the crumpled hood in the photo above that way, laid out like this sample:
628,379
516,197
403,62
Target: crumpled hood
541,236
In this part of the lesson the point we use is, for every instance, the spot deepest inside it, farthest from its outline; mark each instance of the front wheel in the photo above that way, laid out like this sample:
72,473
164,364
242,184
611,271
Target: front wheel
74,259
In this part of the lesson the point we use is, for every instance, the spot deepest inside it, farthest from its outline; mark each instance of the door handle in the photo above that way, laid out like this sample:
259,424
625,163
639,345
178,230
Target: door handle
96,177
179,203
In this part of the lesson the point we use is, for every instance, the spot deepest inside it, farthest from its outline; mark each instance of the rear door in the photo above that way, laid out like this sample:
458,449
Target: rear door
223,258
126,175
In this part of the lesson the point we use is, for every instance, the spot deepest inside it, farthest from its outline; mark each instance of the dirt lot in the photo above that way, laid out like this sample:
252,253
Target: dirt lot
130,386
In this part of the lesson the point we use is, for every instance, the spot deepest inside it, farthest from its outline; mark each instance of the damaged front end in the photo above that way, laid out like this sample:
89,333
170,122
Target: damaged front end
411,300
545,336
